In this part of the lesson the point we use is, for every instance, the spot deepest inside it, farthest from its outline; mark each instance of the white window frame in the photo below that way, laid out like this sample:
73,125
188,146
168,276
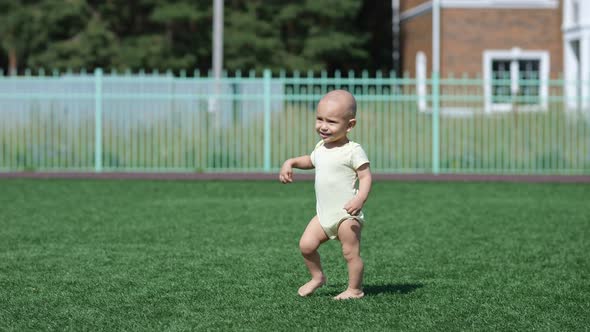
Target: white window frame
514,55
426,7
576,66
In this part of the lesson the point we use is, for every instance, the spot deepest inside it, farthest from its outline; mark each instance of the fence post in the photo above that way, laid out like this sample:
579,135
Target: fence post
435,123
267,79
98,120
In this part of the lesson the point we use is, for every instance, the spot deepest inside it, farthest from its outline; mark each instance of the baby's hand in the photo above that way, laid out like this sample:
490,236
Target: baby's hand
354,206
286,174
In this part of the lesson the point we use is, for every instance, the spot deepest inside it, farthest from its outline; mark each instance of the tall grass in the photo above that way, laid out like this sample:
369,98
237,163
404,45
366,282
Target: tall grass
396,135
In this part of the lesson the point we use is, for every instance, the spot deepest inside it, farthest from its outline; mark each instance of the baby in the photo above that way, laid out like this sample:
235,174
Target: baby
338,164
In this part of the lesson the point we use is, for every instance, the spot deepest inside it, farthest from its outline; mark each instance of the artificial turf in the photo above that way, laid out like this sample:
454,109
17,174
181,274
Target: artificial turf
107,255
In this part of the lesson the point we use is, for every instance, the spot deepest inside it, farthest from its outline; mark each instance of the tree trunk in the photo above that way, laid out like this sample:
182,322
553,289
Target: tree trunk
12,62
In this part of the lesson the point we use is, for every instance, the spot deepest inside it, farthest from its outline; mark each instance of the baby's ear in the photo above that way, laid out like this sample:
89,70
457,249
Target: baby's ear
351,123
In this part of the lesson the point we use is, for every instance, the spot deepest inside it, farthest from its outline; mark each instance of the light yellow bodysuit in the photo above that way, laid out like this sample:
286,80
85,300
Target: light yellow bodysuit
335,183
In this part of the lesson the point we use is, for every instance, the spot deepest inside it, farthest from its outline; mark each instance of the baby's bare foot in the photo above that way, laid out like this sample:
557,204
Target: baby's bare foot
350,294
311,286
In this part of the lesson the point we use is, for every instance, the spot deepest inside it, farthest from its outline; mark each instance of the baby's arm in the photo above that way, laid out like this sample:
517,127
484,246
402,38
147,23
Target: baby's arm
354,206
302,162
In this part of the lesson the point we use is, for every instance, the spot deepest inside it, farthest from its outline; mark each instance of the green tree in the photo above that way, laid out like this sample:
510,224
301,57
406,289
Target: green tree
73,36
322,35
160,34
250,39
375,19
176,34
294,35
17,29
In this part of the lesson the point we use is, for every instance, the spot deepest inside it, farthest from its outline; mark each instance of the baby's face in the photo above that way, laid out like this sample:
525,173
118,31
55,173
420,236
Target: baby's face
333,122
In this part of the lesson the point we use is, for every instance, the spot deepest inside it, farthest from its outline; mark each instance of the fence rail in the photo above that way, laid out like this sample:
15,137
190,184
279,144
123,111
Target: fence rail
98,122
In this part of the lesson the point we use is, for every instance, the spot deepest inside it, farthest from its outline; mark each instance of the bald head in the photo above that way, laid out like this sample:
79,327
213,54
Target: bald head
343,99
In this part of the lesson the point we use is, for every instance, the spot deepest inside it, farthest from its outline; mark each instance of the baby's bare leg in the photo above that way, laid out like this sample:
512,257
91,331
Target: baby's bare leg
349,234
310,241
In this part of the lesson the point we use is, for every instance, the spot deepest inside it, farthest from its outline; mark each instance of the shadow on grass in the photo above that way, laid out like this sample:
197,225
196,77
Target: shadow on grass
372,290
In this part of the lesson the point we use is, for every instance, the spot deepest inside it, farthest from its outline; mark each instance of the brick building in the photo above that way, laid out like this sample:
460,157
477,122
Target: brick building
526,39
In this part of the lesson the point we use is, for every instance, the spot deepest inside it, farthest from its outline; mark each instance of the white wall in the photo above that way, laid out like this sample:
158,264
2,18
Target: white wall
576,30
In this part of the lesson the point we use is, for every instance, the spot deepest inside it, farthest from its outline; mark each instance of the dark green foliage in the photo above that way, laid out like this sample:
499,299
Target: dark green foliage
322,35
18,32
251,41
176,34
91,47
223,256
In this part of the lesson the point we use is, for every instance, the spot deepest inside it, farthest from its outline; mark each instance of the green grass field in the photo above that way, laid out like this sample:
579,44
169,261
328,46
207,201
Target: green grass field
90,255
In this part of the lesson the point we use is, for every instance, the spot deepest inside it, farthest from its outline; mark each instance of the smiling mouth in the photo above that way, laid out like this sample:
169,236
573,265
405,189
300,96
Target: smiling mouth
323,135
